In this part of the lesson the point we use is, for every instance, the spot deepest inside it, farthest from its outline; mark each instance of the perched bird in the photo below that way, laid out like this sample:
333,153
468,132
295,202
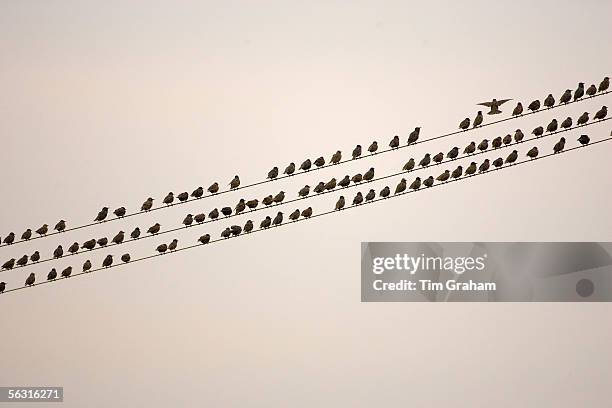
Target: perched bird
336,157
319,188
240,207
22,261
414,135
294,215
444,176
401,187
182,197
465,124
214,214
290,169
248,226
604,85
74,248
559,146
533,152
306,165
567,123
60,226
30,280
279,197
67,272
539,131
478,119
268,200
198,192
416,184
331,184
371,195
518,136
579,92
602,113
512,157
126,258
494,105
272,174
89,245
457,172
10,264
118,239
518,110
584,140
52,274
2,287
154,229
26,235
265,224
169,199
356,201
357,178
356,151
549,102
45,228
507,139
428,182
385,192
566,97
235,183
373,147
120,212
35,257
319,162
307,213
226,233
214,188
498,162
226,211
204,239
340,203
9,239
584,118
136,233
453,153
409,165
469,149
278,220
591,90
199,218
87,265
147,205
58,253
102,241
425,160
484,145
394,143
438,158
188,220
534,106
252,204
99,218
174,244
484,166
163,248
304,191
497,142
369,175
471,169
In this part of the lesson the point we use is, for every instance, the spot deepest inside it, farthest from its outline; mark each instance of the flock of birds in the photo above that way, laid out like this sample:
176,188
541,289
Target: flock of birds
322,187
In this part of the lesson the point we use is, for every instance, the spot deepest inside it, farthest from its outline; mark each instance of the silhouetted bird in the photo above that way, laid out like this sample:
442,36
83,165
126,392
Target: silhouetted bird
240,207
162,248
214,214
534,106
226,233
126,258
188,220
394,143
414,135
549,102
438,158
584,140
9,239
248,226
319,162
591,90
35,257
453,153
539,131
235,183
369,175
340,203
425,160
22,261
2,287
252,204
356,151
52,274
507,139
484,166
147,205
99,218
409,165
89,245
74,248
169,199
204,239
566,97
416,184
497,142
120,212
373,147
559,146
385,192
336,157
266,223
579,92
465,124
356,201
103,241
428,182
278,220
567,123
331,184
118,239
294,215
173,245
604,85
518,136
9,264
272,174
307,213
494,105
58,253
401,186
484,145
602,113
319,188
26,235
67,272
471,169
45,228
268,200
290,169
226,211
154,229
498,162
136,233
214,188
370,196
512,157
457,172
518,110
60,226
279,197
469,149
584,118
306,165
182,197
533,152
236,230
87,265
198,192
444,176
478,119
30,280
304,191
357,178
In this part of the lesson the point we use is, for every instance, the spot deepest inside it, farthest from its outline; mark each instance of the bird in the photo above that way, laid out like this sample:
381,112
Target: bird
89,245
304,191
336,157
268,200
154,229
591,90
74,248
147,205
279,197
60,226
584,140
290,169
52,274
294,215
307,213
567,123
579,92
35,257
319,188
67,272
604,85
498,162
584,118
457,172
169,199
272,174
518,110
102,241
484,145
58,253
464,124
226,211
266,223
248,226
236,230
478,119
469,149
484,166
602,113
120,212
371,195
507,139
471,169
331,184
204,239
87,265
373,147
126,258
539,131
401,187
252,204
30,280
357,178
414,135
438,158
566,97
27,234
356,201
2,287
306,165
559,146
416,184
163,248
369,175
136,233
533,152
226,233
444,176
10,264
340,203
453,153
198,192
409,165
385,192
99,218
356,152
182,197
9,239
214,214
22,261
425,160
549,102
394,143
512,157
240,207
118,239
45,228
320,162
494,105
235,183
278,220
429,181
518,136
214,188
188,220
173,245
534,106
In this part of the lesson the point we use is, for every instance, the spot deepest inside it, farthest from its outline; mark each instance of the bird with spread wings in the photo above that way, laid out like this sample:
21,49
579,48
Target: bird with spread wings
494,105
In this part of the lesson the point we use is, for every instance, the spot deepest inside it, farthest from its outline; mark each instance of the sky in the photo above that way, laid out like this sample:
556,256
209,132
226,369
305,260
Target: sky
106,104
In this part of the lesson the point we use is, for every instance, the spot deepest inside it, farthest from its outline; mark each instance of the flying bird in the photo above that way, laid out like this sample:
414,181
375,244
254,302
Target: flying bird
478,119
512,157
584,140
45,228
566,97
147,205
409,165
518,110
67,272
484,166
559,146
385,192
60,226
272,174
320,162
30,280
182,197
52,274
356,152
169,199
394,143
428,182
549,102
416,184
278,220
534,106
518,136
579,92
356,201
602,113
401,187
204,239
465,124
307,213
469,149
120,212
306,165
604,85
214,188
235,183
336,157
494,105
373,147
340,203
198,193
414,135
290,169
533,152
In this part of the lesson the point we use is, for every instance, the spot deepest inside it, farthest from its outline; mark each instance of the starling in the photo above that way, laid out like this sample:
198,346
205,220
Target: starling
188,220
26,235
340,203
226,233
214,188
306,165
154,229
235,183
9,239
278,220
169,199
198,192
469,149
438,158
370,196
9,264
494,105
214,214
579,92
604,85
497,142
136,233
414,135
35,257
279,197
444,176
429,181
294,215
356,151
269,200
163,248
331,184
567,123
356,201
394,143
99,218
204,239
67,272
60,226
126,258
226,211
290,169
457,172
304,191
471,169
465,124
240,207
512,157
236,230
74,248
478,119
401,187
52,274
373,147
584,140
319,162
584,118
22,261
118,239
147,205
45,228
272,174
484,166
602,113
182,197
319,188
103,241
534,106
549,102
539,131
369,175
533,152
265,224
498,162
484,145
425,160
252,204
91,244
120,212
518,136
559,146
453,153
357,178
336,157
566,97
591,90
307,213
507,139
87,265
2,287
248,226
409,165
518,110
30,280
174,244
58,253
384,193
416,184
